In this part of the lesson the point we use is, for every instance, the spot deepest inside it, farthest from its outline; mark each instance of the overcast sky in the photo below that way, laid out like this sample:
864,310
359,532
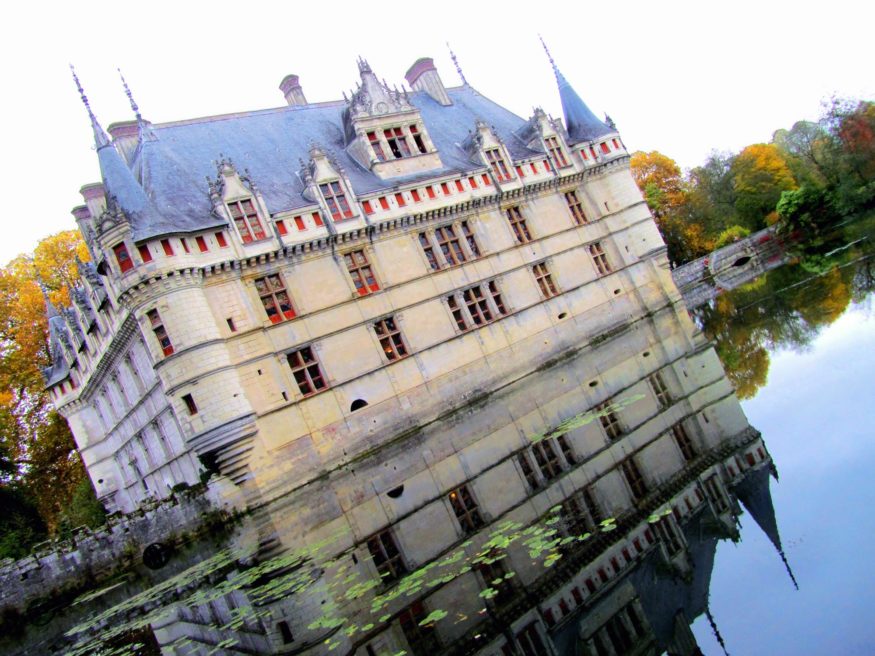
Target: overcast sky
682,78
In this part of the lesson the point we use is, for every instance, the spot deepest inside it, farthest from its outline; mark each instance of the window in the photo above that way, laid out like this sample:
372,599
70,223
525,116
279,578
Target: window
616,144
246,219
399,198
565,448
366,205
499,166
387,558
422,639
384,203
466,509
460,186
445,189
472,182
685,444
361,273
305,369
430,192
530,642
429,251
299,223
633,476
390,339
281,227
285,632
715,494
575,206
609,420
317,219
189,404
547,459
599,258
556,154
184,243
414,193
160,332
495,576
377,146
518,224
470,239
334,197
417,139
449,245
397,142
168,249
125,263
544,280
668,535
605,148
660,391
482,304
145,253
220,240
201,244
274,298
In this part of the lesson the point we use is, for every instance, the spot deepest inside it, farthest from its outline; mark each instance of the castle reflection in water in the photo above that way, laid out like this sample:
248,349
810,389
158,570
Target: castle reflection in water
577,510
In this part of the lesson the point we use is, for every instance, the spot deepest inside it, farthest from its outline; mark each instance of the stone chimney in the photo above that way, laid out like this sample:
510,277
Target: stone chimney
291,88
423,76
125,137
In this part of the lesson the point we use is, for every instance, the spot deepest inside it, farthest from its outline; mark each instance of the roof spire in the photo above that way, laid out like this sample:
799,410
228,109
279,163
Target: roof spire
550,57
100,138
130,96
456,63
51,310
715,630
581,123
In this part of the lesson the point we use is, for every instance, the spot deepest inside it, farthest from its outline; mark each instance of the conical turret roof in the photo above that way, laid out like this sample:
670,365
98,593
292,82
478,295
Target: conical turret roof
581,123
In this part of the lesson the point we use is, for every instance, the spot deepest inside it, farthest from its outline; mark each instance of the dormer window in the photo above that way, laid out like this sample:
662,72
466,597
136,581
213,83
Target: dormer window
556,153
125,263
397,142
334,197
377,146
246,219
417,139
499,166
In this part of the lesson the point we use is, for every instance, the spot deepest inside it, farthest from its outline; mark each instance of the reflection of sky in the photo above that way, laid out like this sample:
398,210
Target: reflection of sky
816,414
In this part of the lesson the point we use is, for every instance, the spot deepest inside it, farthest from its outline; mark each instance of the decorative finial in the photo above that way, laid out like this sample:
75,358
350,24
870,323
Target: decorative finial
456,63
100,138
715,630
549,56
610,122
130,96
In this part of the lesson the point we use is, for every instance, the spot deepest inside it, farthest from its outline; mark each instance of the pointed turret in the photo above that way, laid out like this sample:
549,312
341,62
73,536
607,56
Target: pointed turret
581,123
756,497
100,137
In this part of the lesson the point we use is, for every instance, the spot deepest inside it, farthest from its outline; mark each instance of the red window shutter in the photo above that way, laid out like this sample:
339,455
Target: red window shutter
430,191
184,245
220,240
317,219
399,198
415,194
534,167
459,185
201,244
384,203
583,153
124,260
519,171
281,226
486,180
168,249
605,148
616,144
446,189
299,223
473,182
145,253
367,207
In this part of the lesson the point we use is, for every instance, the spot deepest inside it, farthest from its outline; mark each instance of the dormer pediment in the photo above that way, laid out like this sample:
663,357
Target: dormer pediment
235,198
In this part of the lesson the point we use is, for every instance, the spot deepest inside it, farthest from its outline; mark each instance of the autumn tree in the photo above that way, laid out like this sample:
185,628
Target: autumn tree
759,176
660,180
39,447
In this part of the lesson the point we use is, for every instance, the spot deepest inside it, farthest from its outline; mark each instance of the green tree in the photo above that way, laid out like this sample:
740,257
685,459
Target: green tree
760,175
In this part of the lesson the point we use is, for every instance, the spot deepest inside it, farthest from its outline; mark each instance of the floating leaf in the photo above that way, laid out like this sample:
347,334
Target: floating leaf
434,616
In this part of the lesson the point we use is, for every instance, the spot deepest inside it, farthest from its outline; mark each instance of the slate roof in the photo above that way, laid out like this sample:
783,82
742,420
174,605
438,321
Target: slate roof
174,158
756,497
581,123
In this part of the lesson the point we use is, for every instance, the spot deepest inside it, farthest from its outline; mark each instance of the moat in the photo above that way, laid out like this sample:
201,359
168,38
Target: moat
701,540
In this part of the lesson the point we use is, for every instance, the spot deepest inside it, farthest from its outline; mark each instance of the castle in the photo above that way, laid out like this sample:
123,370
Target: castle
383,317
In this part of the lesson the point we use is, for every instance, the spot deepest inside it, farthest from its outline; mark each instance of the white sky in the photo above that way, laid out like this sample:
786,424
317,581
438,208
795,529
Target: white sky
680,77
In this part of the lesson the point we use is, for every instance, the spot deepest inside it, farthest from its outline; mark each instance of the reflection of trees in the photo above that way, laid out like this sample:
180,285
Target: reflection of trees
787,308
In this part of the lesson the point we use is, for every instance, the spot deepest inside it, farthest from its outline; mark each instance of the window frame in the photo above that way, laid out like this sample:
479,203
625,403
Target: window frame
575,206
495,159
660,390
544,279
466,510
334,195
271,294
391,340
248,230
485,299
518,224
556,153
307,368
160,332
391,567
123,257
600,258
356,271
